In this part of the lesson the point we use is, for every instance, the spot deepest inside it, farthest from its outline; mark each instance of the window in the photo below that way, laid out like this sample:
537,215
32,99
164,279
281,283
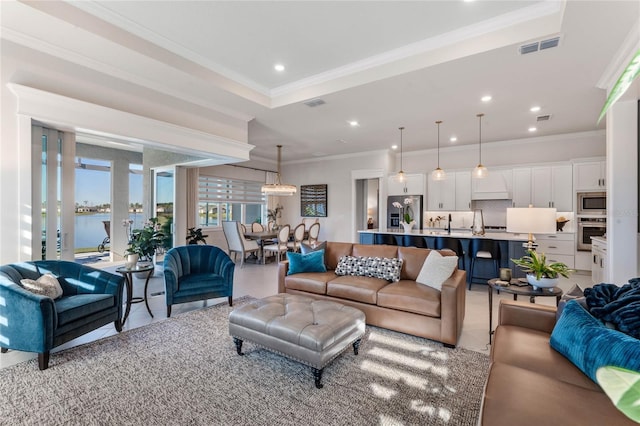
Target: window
229,199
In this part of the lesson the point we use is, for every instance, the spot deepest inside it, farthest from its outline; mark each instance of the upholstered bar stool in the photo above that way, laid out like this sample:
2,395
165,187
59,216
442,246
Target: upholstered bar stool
453,244
484,250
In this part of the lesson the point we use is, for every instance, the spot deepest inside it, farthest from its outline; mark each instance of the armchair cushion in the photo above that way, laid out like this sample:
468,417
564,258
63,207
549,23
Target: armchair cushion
46,285
73,308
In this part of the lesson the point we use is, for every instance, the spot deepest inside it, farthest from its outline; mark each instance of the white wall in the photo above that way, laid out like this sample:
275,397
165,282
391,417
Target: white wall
336,173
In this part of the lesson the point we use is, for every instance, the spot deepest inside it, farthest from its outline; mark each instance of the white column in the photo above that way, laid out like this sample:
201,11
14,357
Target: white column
622,192
119,206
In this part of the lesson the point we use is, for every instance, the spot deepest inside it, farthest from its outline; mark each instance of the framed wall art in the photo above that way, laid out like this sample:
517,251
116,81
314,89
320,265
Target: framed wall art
313,200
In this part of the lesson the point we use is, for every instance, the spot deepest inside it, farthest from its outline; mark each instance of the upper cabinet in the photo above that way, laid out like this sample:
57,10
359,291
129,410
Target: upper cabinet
441,194
413,185
521,187
590,176
552,186
463,191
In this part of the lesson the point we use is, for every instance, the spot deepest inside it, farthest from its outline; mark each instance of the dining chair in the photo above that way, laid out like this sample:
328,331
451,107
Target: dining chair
244,228
280,247
298,236
257,227
270,225
314,231
237,243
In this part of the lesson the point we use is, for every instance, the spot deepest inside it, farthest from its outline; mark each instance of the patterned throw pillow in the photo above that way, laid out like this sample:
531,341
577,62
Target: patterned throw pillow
46,285
377,267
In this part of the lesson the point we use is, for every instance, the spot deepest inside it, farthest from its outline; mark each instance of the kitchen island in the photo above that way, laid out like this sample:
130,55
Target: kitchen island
511,245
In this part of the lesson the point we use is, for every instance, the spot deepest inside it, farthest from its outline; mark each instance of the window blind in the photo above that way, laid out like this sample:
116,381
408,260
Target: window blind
225,190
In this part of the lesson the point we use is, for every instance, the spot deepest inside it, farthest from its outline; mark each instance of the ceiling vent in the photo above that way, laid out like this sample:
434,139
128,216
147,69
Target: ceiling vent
539,45
545,117
314,102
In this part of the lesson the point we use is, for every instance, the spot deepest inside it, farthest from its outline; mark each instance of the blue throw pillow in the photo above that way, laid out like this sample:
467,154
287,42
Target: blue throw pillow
589,345
312,262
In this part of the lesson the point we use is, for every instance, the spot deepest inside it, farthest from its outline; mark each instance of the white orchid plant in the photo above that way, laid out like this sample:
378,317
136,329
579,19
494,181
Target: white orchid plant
406,210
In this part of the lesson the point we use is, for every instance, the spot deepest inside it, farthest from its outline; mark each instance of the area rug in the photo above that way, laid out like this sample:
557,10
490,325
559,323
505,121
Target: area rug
185,371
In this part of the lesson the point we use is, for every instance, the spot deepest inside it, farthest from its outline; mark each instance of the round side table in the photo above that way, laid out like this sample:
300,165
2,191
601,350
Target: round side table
516,288
128,276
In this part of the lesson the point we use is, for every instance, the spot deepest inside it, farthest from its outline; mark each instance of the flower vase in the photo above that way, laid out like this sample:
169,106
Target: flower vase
408,226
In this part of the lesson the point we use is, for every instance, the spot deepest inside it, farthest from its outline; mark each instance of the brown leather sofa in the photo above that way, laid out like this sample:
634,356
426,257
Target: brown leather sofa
532,384
404,306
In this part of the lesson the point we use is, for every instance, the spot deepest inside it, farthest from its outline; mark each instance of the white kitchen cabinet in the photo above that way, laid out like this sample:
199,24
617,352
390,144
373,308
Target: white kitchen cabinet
521,195
590,176
559,247
552,186
441,194
413,185
463,191
599,260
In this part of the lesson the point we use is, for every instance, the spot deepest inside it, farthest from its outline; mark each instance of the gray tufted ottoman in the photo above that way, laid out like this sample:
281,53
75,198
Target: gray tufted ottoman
310,331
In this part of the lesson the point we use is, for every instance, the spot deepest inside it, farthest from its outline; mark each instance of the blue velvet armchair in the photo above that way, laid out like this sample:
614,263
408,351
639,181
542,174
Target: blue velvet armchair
33,323
197,272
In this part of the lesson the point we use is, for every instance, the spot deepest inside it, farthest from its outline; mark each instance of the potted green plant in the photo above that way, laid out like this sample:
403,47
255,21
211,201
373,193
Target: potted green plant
194,236
273,215
539,272
145,241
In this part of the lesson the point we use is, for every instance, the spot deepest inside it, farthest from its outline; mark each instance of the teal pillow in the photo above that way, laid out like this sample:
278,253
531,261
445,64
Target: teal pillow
311,262
589,345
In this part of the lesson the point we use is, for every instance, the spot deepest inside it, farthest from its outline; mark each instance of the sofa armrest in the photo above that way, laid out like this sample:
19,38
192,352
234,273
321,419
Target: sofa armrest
283,268
29,319
527,315
452,306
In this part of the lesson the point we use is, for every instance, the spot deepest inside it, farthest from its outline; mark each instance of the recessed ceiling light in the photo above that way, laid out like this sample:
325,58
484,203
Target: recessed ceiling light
394,146
278,67
534,108
353,123
485,98
532,129
453,139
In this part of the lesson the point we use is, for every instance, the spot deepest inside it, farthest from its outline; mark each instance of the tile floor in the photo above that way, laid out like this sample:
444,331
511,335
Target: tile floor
259,281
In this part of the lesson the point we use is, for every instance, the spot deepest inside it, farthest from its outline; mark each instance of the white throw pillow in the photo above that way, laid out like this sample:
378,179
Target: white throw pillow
436,269
46,285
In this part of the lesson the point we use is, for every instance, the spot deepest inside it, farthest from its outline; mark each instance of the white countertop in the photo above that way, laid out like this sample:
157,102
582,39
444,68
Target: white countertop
506,236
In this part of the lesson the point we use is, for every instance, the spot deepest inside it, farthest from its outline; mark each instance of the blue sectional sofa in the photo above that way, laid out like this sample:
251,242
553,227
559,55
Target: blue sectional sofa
31,322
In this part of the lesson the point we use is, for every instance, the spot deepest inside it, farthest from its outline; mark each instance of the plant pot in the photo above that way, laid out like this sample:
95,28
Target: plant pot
543,282
408,226
131,260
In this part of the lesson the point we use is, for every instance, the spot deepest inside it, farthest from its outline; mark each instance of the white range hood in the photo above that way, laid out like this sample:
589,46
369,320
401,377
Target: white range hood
496,186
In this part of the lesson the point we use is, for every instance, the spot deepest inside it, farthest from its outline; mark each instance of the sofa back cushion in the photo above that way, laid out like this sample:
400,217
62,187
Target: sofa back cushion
334,252
377,250
412,260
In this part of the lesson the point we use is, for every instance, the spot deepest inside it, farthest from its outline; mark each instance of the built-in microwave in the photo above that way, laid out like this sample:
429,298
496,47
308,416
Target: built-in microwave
590,203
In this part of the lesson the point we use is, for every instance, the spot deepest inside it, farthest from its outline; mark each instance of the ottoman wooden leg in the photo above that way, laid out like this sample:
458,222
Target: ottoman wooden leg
356,346
238,343
317,376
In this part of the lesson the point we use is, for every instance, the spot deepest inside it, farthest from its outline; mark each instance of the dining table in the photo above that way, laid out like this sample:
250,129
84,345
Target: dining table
260,237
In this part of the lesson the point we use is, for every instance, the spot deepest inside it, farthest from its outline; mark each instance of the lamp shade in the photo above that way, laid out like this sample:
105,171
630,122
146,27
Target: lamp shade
531,220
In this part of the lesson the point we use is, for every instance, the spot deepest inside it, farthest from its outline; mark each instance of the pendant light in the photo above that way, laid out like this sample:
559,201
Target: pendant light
278,188
480,171
438,174
400,176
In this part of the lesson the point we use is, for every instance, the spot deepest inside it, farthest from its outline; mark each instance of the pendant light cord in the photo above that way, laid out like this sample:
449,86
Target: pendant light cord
438,123
279,158
480,135
401,129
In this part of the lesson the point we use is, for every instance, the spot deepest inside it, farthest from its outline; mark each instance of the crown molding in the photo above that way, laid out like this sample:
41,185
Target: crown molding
616,67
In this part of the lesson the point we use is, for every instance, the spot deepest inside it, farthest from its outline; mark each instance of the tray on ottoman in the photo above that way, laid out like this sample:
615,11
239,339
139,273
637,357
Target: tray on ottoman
310,331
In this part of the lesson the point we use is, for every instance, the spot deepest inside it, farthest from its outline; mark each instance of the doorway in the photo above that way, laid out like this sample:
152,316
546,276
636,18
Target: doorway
367,203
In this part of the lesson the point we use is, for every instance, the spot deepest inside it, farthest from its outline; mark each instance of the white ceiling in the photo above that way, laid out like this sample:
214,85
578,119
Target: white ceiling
385,64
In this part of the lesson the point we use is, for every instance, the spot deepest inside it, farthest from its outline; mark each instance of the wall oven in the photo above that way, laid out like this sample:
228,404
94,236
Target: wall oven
590,227
592,203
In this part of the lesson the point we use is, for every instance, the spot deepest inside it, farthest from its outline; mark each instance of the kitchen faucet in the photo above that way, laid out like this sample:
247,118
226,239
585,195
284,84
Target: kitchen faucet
449,225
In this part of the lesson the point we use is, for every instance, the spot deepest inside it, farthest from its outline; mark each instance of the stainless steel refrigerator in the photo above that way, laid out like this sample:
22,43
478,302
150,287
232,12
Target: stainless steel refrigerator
415,209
